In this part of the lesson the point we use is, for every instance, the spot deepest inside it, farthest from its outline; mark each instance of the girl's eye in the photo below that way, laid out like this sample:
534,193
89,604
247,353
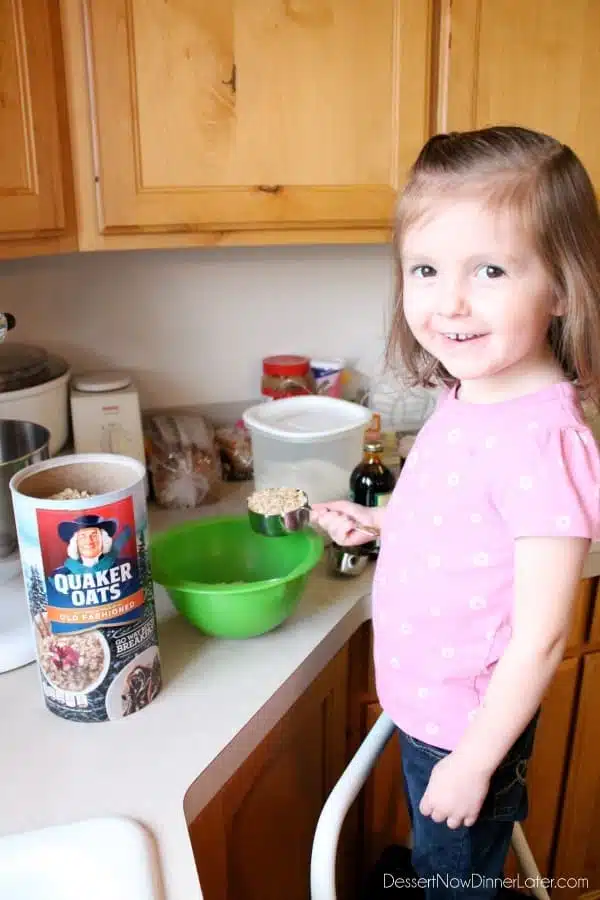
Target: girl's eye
423,271
489,272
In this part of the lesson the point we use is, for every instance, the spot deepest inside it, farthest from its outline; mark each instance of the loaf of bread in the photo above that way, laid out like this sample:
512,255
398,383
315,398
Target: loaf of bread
184,460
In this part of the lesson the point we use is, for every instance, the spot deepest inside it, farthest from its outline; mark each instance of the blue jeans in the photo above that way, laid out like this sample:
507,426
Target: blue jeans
466,862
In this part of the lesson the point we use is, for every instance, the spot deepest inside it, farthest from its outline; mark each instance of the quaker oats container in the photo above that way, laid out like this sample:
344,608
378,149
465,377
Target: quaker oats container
82,528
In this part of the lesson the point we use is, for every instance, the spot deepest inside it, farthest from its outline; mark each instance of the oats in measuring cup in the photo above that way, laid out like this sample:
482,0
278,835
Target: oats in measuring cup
276,501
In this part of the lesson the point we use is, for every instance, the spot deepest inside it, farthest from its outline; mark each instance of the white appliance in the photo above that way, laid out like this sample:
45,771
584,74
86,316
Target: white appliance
34,387
105,414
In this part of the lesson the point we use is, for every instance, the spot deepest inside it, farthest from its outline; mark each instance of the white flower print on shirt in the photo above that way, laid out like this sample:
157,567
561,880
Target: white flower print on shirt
453,479
405,628
434,561
476,518
563,522
481,560
454,436
435,611
432,728
437,520
394,662
447,652
526,482
491,441
477,602
423,692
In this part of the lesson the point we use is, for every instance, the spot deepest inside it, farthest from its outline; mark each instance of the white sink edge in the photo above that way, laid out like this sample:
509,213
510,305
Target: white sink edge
113,850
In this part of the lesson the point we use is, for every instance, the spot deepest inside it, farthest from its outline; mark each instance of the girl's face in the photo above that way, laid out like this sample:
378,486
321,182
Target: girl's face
477,297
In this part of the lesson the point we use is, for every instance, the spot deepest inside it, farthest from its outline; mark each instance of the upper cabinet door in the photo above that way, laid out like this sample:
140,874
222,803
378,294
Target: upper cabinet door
31,168
533,63
255,114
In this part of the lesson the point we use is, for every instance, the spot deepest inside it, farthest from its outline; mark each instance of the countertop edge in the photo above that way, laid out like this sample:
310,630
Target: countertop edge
228,761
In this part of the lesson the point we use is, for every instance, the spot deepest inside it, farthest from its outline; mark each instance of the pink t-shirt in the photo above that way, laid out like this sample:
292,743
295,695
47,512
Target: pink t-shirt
477,477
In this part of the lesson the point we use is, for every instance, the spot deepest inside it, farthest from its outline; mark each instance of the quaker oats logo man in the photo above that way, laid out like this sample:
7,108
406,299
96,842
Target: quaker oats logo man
90,543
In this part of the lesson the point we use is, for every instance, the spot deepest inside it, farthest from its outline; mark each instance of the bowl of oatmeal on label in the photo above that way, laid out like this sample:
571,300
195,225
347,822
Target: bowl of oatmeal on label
77,662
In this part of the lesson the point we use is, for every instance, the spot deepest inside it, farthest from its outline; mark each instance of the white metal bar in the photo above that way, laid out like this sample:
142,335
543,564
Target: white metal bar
528,864
343,795
341,798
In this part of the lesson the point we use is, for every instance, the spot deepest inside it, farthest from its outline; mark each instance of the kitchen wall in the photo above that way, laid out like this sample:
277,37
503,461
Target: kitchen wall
193,325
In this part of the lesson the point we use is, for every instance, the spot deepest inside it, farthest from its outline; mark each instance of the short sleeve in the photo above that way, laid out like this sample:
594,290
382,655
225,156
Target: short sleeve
550,485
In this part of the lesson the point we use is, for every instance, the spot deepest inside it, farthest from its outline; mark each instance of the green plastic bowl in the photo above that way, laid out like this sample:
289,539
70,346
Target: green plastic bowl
229,581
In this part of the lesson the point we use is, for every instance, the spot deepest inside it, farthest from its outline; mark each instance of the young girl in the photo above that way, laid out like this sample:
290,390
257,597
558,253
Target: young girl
486,534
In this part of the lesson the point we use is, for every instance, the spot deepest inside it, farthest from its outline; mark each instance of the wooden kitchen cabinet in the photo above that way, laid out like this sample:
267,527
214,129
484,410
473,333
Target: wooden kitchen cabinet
259,122
578,848
535,64
36,199
245,121
253,841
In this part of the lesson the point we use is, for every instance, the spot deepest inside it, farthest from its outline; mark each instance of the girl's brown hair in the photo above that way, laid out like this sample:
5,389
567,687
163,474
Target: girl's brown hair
548,188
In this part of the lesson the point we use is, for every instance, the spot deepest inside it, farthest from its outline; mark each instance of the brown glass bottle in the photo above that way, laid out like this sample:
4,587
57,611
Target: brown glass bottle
371,484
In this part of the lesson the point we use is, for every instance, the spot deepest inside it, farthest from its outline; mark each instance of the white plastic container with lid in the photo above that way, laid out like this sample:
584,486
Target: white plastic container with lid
105,413
311,443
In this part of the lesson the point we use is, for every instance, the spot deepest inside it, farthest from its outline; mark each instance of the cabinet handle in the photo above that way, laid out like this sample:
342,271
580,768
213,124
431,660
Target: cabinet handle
270,188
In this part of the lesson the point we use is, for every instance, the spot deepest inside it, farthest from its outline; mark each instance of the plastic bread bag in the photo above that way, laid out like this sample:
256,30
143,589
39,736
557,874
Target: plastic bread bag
235,447
184,460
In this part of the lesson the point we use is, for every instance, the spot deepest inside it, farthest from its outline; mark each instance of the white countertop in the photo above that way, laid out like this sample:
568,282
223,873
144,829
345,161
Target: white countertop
163,764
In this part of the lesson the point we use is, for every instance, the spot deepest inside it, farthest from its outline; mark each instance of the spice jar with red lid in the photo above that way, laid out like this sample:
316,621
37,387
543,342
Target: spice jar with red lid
286,376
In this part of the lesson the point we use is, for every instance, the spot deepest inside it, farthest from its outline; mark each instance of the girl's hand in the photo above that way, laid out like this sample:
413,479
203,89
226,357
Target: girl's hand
455,792
339,519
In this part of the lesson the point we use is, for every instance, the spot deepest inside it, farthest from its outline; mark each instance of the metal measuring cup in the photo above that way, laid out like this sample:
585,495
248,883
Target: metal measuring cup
281,524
